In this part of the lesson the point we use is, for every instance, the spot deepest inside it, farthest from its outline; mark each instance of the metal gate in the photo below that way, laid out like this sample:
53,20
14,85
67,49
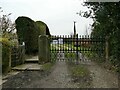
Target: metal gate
76,48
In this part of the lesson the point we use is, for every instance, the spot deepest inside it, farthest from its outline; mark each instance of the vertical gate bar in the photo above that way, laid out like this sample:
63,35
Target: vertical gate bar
69,47
74,48
85,43
77,48
59,43
80,44
68,43
66,46
83,46
71,42
65,43
63,47
57,47
55,57
51,42
60,52
88,43
52,48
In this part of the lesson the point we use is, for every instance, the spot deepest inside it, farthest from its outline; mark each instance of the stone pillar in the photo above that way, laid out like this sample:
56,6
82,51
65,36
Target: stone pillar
44,49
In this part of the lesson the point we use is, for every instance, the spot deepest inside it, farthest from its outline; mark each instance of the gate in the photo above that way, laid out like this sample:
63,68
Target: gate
17,55
76,48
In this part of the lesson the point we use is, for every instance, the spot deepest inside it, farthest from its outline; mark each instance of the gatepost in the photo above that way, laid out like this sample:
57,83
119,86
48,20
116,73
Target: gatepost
44,49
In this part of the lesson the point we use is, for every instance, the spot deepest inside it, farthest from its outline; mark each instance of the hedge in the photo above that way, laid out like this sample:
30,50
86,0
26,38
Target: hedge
27,32
6,55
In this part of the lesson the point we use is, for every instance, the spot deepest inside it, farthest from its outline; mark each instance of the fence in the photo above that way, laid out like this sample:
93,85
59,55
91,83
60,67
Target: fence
17,55
73,47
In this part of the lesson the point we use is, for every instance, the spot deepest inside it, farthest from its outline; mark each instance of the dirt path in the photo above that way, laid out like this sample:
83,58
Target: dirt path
59,78
101,77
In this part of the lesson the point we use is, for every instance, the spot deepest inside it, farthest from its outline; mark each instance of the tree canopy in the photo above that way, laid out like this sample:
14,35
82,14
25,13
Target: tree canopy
106,18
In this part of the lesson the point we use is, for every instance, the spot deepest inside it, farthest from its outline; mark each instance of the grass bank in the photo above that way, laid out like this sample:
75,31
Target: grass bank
80,75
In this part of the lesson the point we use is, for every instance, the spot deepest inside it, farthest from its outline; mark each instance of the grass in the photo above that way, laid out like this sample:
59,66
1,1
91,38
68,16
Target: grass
53,56
70,55
80,75
47,66
79,71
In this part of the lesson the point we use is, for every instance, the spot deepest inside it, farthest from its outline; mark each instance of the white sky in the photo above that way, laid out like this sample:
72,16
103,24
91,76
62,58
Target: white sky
57,14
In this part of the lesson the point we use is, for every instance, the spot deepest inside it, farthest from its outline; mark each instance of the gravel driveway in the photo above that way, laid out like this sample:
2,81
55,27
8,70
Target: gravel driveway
60,77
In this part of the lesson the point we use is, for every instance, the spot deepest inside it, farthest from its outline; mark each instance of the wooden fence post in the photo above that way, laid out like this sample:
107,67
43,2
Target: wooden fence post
44,49
107,48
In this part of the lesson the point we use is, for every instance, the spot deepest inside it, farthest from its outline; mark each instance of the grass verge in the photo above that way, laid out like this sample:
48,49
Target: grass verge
80,75
47,66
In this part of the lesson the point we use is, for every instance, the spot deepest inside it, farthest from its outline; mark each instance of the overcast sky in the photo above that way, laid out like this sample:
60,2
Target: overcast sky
57,14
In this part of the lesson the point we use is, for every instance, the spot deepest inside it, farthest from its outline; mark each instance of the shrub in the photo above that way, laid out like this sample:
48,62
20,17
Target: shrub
43,28
6,54
27,32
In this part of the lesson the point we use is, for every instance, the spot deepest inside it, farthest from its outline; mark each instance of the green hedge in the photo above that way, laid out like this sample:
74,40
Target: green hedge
43,28
27,32
6,55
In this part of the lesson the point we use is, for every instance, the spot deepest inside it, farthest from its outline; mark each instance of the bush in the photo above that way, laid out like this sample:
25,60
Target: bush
6,54
27,32
43,28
